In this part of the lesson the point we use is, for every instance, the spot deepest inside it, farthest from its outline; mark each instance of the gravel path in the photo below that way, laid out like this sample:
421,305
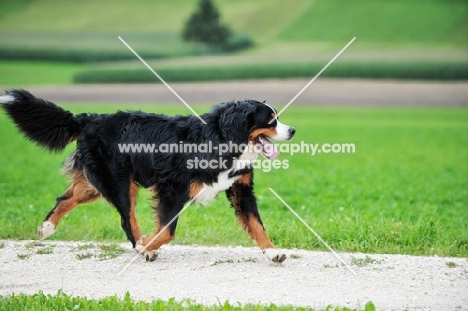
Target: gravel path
279,92
211,274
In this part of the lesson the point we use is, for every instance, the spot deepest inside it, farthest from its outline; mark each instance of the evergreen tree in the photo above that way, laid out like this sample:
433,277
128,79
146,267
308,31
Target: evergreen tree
204,26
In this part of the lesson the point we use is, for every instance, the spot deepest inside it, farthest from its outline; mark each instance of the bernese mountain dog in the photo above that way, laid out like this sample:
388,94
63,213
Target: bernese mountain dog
99,168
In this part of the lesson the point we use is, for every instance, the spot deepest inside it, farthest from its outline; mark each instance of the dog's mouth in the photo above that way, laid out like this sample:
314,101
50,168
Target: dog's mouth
269,150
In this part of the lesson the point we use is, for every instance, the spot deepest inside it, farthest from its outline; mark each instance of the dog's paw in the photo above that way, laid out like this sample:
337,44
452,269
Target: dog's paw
46,230
139,247
275,255
150,255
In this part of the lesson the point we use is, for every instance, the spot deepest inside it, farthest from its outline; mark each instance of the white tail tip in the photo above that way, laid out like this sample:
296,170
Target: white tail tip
7,99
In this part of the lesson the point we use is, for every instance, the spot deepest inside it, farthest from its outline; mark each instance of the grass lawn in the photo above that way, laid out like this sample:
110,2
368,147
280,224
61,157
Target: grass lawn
20,73
405,190
61,301
392,41
266,20
258,18
397,21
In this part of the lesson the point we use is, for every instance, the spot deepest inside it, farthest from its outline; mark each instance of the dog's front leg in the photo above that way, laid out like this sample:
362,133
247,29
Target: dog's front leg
167,209
244,203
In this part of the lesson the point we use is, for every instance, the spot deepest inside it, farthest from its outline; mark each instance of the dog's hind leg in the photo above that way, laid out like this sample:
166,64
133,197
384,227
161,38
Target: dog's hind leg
123,195
79,192
134,226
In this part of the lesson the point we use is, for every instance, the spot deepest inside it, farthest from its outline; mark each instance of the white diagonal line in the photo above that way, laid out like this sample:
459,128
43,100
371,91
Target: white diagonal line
316,76
313,231
162,80
162,230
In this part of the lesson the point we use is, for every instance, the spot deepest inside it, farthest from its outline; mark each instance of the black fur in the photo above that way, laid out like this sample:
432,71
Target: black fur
111,172
43,122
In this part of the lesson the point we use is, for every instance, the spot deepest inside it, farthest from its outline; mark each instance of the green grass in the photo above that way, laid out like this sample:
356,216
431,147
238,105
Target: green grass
85,246
23,256
361,262
397,21
418,39
84,35
266,20
84,256
405,190
27,72
62,301
258,18
45,250
451,264
110,251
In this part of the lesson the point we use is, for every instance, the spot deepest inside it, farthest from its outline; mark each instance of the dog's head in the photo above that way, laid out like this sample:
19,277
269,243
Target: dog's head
253,122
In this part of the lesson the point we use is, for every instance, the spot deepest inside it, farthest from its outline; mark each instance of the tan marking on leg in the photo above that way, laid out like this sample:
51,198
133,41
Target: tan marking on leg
240,216
245,179
79,192
234,198
194,189
258,233
256,230
251,224
153,242
133,193
164,237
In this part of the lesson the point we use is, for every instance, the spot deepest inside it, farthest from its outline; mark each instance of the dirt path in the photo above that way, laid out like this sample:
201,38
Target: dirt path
278,92
211,274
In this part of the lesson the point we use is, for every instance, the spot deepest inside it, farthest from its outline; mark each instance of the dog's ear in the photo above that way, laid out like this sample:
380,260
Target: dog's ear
236,120
248,110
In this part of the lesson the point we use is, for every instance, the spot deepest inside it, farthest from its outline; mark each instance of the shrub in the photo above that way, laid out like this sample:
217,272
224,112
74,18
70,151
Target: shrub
238,42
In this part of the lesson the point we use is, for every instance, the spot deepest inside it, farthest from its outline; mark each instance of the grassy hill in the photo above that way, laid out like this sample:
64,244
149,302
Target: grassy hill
377,21
398,21
259,18
396,39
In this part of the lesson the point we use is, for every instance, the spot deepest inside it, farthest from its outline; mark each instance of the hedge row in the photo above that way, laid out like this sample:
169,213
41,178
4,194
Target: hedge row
74,56
391,70
93,47
87,56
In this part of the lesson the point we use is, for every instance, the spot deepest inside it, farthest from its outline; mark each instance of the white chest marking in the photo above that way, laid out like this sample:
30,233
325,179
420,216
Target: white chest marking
224,181
210,192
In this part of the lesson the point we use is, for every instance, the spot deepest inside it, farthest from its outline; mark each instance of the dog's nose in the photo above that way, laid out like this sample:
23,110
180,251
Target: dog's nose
292,131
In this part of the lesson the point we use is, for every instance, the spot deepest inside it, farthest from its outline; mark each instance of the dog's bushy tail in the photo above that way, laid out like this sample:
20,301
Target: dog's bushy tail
41,121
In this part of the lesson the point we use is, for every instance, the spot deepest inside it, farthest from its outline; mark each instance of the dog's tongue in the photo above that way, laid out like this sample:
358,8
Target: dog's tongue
269,149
